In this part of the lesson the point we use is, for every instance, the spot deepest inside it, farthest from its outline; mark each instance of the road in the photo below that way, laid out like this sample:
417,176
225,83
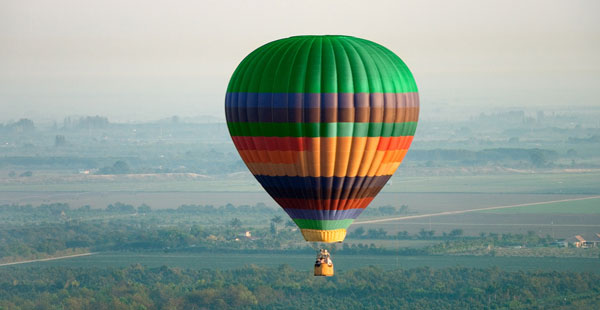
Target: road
410,217
47,259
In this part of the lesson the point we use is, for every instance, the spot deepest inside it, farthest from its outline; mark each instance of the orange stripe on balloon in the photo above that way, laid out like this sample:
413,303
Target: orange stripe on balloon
307,169
324,204
292,170
357,150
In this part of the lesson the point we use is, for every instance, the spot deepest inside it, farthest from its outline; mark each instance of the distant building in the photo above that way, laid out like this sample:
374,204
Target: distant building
585,241
246,235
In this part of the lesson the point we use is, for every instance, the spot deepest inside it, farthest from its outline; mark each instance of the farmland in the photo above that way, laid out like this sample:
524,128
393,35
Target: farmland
406,180
126,166
588,206
304,261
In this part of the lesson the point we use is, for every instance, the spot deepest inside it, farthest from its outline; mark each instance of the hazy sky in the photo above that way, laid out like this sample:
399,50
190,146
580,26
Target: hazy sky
140,60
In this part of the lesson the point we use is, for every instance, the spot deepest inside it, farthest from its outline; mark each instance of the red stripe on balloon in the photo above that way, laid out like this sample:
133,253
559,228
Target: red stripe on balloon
307,144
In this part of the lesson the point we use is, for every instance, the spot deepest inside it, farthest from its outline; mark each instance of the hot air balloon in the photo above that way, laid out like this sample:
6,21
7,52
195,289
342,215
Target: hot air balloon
322,122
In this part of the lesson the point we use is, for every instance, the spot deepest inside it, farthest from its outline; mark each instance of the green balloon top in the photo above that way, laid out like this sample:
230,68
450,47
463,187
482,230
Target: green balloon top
322,64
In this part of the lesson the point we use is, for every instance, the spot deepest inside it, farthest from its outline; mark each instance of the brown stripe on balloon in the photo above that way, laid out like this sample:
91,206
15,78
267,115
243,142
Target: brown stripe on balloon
328,115
318,100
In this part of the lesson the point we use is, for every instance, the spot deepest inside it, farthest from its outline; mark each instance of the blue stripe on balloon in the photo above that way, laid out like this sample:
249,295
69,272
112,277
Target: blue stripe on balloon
322,187
323,214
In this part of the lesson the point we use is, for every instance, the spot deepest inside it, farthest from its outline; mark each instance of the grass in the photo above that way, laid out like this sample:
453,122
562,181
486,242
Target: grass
393,244
305,261
587,206
541,183
534,183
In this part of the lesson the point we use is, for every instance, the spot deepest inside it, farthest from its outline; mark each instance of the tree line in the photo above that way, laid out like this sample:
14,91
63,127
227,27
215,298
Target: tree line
252,287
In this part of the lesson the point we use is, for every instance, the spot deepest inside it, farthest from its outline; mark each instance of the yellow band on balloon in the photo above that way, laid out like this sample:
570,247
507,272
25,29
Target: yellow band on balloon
329,236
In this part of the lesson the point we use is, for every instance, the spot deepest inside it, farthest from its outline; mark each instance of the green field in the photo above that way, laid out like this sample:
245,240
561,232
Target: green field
543,182
587,206
556,183
393,244
304,261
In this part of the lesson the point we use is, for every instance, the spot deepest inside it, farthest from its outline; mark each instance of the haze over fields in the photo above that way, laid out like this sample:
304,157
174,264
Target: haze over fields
120,187
140,61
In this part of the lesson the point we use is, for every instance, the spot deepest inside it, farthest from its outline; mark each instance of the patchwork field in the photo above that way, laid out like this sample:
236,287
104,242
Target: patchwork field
305,261
587,206
422,194
556,225
409,181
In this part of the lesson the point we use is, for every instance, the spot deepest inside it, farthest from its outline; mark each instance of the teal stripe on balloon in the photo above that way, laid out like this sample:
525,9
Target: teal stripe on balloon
262,129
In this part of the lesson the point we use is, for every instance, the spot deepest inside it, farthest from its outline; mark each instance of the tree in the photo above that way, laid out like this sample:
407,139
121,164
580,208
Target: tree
24,125
430,233
357,233
455,233
144,208
402,235
60,140
276,220
290,224
376,233
120,167
426,234
26,174
236,223
538,158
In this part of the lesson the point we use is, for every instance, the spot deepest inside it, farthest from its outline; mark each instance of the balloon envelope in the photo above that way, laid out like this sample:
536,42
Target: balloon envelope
322,122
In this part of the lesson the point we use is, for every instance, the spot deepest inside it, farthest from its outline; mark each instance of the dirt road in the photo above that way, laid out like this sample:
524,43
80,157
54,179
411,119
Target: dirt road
47,259
409,217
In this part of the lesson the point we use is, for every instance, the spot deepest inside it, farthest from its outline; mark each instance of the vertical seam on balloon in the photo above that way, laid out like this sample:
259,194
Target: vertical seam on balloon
407,80
322,155
309,180
287,94
266,61
355,192
305,181
287,48
370,189
340,204
337,99
348,193
396,109
386,61
367,183
286,190
362,49
332,205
